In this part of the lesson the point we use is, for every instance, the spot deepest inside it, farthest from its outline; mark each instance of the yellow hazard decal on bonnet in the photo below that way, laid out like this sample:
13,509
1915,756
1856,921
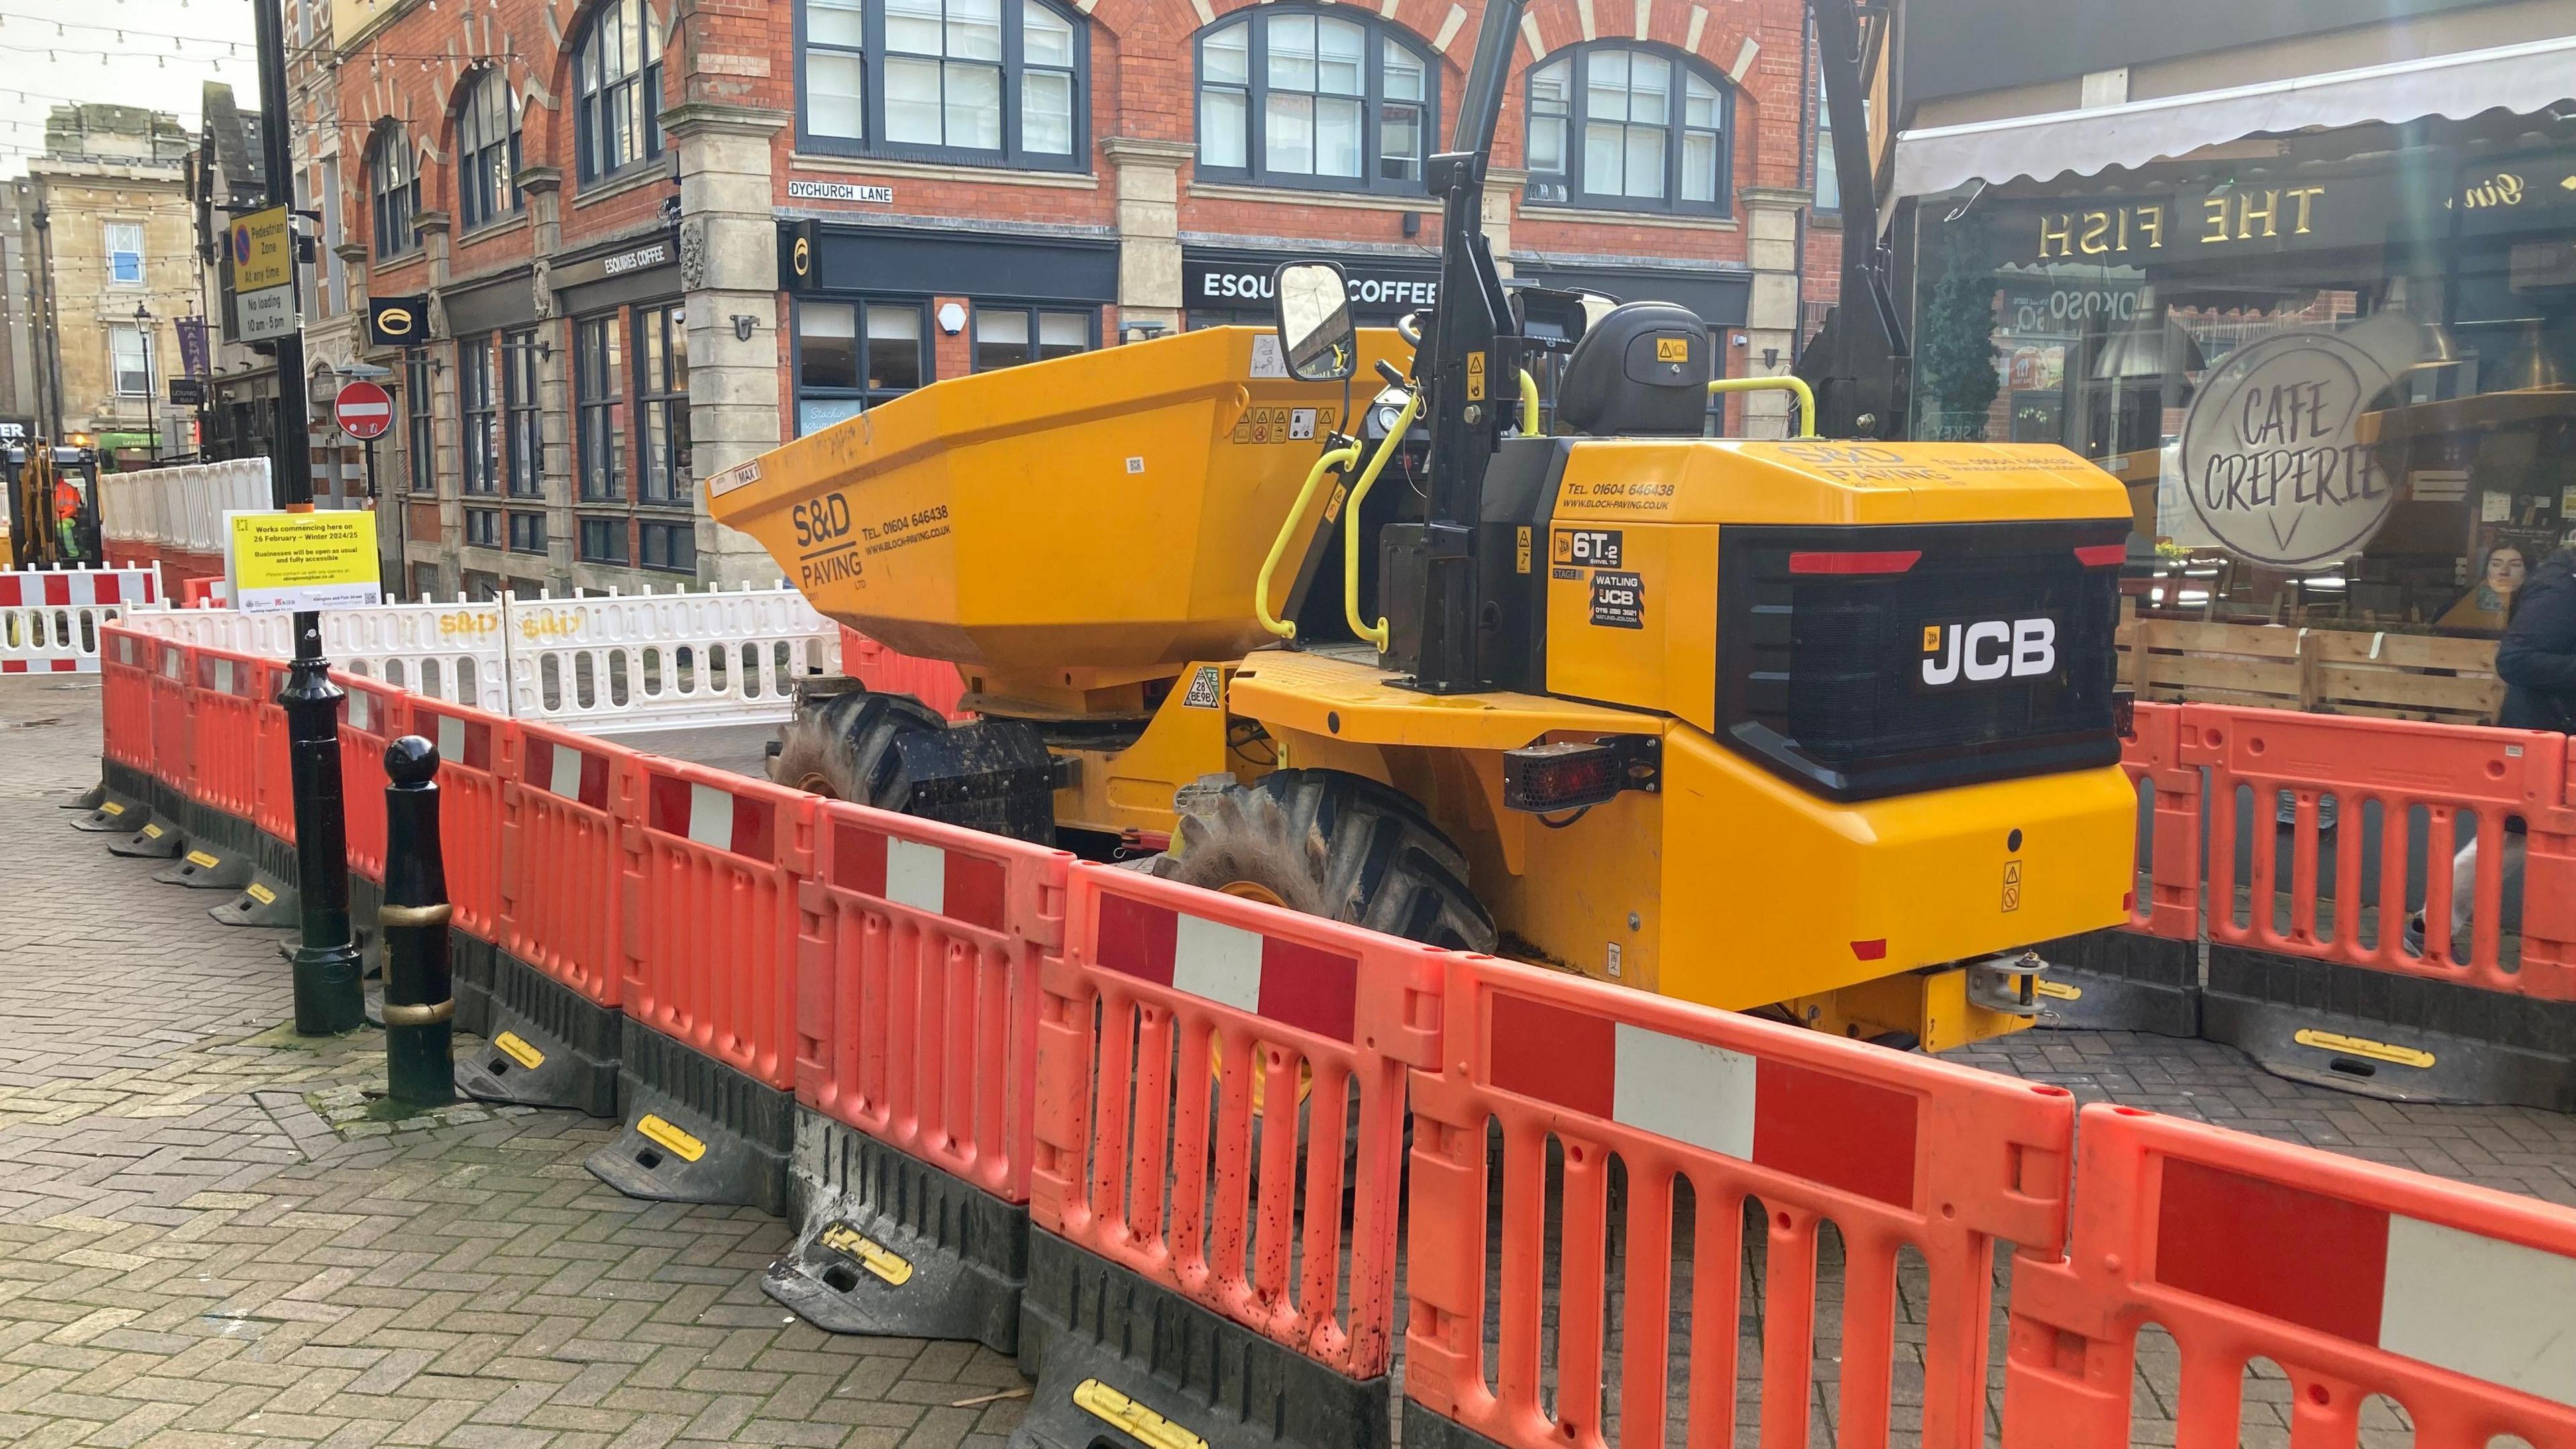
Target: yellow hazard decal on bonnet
260,893
519,1051
202,860
688,1148
1115,1408
850,1243
2378,1051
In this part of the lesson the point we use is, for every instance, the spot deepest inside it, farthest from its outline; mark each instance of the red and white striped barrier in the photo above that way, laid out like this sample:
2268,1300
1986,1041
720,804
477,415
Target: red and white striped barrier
50,619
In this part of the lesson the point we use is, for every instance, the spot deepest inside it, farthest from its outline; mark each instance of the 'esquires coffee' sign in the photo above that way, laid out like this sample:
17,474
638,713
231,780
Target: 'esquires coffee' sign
2270,453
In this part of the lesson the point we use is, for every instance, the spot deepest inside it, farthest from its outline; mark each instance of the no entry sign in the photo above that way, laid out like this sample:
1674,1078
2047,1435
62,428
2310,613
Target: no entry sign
364,410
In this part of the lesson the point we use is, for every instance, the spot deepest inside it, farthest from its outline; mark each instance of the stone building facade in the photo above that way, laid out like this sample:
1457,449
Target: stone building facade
654,238
110,233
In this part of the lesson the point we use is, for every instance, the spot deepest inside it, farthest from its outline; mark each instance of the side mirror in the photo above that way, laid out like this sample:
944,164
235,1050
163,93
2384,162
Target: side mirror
1315,321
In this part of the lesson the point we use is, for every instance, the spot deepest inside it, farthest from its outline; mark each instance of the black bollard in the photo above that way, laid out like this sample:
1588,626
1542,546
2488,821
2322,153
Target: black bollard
420,1014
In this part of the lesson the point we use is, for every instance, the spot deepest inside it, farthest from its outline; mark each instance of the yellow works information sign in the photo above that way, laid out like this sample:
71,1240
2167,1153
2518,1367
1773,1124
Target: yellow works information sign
283,562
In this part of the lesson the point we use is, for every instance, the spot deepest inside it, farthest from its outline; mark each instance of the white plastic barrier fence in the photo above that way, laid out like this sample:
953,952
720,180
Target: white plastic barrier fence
180,507
49,618
602,665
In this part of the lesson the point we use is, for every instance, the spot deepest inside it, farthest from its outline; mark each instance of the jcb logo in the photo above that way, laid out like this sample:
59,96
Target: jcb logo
1988,650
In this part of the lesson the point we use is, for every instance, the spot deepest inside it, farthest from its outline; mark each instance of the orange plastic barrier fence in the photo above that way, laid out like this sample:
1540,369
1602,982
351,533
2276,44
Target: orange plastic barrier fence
125,697
273,769
1896,1151
917,1007
174,671
1158,983
711,918
935,682
2443,770
2457,1302
2153,756
475,751
563,871
371,717
225,732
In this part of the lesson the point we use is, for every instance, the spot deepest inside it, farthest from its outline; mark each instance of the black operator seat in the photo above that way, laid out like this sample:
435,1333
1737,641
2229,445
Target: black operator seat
1641,371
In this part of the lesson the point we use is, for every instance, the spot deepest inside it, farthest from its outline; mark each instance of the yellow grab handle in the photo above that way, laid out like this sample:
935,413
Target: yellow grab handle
1798,385
1341,457
1529,404
1351,524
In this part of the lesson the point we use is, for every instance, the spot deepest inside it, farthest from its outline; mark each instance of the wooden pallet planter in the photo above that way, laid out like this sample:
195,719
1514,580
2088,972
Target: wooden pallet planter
2328,671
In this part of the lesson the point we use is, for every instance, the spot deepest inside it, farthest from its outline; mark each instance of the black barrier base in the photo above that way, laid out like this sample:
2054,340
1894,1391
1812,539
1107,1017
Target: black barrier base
2379,1034
118,814
888,1244
546,1045
470,982
91,798
1120,1361
696,1129
266,901
117,803
2122,981
1424,1429
155,839
207,868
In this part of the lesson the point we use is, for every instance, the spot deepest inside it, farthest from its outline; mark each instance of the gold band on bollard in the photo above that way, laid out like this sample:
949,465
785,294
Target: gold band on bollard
430,1015
398,916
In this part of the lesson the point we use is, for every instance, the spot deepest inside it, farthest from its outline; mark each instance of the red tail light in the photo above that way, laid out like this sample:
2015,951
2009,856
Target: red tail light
1891,561
2102,555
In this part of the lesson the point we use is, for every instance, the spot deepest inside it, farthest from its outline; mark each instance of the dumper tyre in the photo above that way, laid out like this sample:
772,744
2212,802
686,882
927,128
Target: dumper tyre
842,745
1329,844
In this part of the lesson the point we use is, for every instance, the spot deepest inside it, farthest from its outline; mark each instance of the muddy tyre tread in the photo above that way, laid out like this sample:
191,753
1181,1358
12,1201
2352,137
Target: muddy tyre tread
1335,845
845,744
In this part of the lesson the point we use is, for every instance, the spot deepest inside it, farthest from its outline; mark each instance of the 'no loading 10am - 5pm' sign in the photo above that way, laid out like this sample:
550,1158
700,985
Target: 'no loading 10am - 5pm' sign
2271,453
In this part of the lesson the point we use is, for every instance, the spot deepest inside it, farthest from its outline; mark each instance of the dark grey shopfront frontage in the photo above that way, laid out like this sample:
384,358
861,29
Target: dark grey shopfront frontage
881,310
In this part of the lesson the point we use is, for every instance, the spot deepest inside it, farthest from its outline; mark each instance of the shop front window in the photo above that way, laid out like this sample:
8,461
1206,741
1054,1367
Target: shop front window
526,421
599,407
1327,98
2331,377
420,456
662,404
998,82
1627,128
853,355
479,425
1009,336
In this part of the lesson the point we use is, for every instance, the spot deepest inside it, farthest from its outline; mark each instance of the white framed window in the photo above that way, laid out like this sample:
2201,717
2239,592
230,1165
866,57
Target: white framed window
129,357
1315,96
125,253
992,81
1628,128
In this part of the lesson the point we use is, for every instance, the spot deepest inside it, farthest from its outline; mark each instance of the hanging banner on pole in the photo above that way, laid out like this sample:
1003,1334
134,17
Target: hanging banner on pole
279,563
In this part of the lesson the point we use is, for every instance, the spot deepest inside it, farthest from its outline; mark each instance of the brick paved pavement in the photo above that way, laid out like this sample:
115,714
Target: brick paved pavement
191,1256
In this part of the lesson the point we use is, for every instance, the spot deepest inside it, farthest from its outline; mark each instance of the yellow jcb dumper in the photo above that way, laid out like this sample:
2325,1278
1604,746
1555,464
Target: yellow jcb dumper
1821,728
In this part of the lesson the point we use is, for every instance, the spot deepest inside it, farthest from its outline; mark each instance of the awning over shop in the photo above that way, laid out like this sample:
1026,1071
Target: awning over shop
2519,78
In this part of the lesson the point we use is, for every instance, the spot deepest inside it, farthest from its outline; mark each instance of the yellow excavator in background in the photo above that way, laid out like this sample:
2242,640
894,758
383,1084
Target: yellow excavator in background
1823,729
52,505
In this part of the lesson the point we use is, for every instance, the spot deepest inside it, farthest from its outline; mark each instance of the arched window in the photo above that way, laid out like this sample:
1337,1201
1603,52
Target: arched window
1292,96
617,89
1000,82
487,152
393,180
1628,128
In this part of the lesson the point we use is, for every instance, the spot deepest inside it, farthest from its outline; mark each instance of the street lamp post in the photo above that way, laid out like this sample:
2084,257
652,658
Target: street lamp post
151,423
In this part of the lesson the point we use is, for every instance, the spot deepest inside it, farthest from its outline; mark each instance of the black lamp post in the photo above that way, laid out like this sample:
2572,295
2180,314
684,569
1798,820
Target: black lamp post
151,420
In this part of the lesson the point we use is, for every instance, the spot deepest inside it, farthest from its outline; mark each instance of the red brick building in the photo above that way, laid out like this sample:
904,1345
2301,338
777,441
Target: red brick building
652,238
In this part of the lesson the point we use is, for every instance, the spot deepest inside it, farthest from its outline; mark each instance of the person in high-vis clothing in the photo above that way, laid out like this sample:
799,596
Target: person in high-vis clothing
67,507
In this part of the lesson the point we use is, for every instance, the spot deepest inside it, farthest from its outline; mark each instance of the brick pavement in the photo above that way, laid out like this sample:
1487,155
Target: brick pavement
191,1256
